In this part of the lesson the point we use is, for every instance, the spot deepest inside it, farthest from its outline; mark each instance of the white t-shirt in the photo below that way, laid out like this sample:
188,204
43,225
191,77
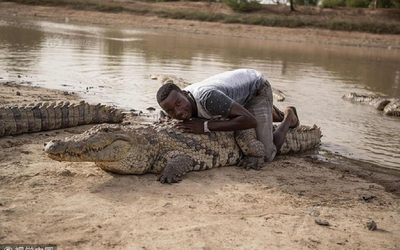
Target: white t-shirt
215,96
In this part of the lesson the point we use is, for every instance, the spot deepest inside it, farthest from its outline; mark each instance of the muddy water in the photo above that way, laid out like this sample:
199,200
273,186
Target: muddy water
112,66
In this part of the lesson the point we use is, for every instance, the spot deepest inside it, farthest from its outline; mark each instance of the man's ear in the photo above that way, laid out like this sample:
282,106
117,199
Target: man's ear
186,94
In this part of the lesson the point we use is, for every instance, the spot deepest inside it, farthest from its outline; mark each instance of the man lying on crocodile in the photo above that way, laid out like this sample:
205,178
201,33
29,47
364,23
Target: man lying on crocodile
163,149
244,96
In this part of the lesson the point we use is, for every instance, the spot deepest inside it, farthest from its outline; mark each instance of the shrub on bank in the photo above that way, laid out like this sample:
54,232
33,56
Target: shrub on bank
333,3
243,5
384,4
357,3
388,4
306,2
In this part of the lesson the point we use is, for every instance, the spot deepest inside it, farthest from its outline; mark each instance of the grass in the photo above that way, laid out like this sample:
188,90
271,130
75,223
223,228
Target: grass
362,24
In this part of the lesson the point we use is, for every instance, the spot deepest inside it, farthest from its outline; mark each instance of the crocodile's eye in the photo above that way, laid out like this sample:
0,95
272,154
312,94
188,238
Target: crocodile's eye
105,129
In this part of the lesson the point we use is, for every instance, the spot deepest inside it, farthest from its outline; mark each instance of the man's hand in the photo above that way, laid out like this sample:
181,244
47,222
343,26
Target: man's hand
193,125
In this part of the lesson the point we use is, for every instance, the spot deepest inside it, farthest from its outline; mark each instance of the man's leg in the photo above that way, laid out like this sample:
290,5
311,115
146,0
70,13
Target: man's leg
282,129
261,107
265,112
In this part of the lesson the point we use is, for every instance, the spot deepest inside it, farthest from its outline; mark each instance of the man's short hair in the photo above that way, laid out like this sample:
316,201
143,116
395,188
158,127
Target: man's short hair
164,91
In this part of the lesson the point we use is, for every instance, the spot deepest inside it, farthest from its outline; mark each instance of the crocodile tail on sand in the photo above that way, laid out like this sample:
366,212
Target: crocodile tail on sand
301,139
17,120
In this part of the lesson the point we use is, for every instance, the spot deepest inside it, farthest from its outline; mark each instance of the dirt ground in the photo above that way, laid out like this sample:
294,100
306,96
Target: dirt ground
79,206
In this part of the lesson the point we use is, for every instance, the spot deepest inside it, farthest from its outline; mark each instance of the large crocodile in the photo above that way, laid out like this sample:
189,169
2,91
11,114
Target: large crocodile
389,106
16,120
163,149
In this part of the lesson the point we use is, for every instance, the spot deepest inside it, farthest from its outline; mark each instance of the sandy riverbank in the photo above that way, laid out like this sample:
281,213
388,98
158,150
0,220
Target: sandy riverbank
78,206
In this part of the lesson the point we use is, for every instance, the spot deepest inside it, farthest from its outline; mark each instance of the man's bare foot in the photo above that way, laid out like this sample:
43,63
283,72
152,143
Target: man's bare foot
291,113
277,115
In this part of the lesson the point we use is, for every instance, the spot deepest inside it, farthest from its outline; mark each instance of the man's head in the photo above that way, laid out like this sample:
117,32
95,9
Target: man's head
175,102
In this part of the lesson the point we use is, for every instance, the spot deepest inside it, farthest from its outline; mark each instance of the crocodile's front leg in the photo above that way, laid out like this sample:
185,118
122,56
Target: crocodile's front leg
252,149
175,168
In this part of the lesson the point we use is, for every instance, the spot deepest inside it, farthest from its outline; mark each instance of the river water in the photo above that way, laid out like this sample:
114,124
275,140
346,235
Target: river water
112,66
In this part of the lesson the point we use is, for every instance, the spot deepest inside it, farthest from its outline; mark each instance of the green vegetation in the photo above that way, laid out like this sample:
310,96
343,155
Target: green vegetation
333,3
357,3
345,3
306,2
243,5
260,17
388,4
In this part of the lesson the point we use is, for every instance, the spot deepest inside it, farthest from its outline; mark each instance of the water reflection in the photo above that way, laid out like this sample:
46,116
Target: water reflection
374,69
114,48
18,44
111,65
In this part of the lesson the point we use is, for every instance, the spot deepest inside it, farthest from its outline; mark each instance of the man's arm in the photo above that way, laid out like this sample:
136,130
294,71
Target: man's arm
239,119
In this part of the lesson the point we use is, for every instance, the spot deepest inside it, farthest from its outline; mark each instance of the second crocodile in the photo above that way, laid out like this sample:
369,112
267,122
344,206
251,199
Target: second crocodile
389,106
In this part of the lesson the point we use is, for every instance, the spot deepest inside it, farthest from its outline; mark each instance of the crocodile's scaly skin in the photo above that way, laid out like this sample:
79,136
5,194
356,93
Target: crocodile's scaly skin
389,106
392,108
44,116
161,148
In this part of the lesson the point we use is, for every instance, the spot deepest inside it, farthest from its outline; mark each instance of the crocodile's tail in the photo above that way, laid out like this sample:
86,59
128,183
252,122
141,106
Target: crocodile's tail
393,108
44,116
278,95
301,139
378,102
180,82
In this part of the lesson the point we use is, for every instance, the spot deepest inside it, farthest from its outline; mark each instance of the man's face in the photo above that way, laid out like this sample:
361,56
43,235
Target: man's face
177,105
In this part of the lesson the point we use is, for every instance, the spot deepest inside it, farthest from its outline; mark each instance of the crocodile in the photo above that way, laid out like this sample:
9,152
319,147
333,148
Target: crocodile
182,83
15,120
388,106
163,149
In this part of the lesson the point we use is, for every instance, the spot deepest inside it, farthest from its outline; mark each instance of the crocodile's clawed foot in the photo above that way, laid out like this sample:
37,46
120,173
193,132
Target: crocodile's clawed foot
251,162
171,175
177,167
169,178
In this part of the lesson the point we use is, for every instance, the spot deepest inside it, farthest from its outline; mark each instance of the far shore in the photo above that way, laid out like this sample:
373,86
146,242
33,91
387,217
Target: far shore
306,35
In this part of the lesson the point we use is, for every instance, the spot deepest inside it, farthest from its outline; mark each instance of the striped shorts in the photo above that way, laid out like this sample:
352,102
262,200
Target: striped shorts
261,107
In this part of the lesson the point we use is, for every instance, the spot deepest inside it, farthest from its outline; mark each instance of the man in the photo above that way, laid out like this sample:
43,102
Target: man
244,96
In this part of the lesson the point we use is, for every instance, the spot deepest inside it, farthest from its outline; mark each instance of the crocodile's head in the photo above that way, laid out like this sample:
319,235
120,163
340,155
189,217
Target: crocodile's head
112,147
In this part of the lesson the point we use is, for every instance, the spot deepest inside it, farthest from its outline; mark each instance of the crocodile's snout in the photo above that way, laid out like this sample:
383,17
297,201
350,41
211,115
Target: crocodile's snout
54,147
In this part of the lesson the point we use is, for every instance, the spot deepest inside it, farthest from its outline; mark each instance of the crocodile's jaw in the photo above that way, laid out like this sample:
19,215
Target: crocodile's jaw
112,147
112,152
